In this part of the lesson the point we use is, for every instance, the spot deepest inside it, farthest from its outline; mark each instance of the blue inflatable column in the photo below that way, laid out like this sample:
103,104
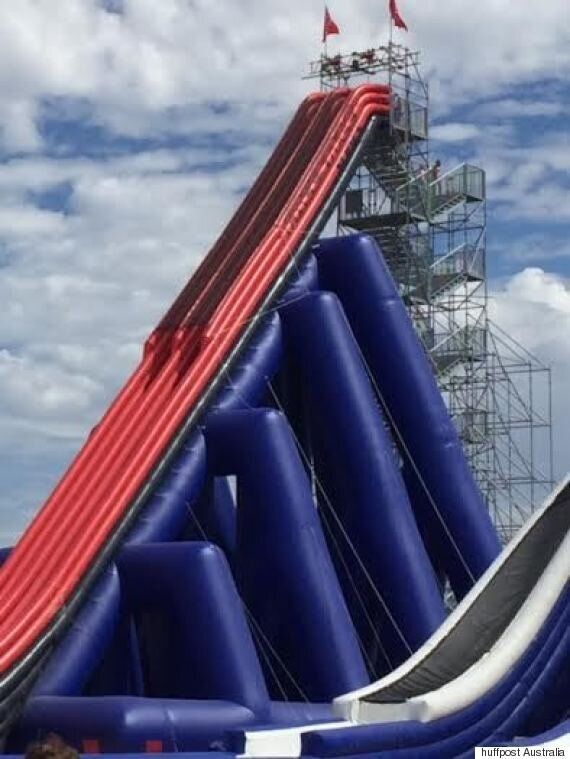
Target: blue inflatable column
193,630
354,269
422,510
358,471
283,568
246,384
214,517
164,516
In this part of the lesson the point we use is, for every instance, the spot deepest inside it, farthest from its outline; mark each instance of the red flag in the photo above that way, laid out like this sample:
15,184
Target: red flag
396,17
329,27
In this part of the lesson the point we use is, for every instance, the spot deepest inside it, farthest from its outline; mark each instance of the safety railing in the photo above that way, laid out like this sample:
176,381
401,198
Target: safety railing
426,197
466,181
413,197
464,344
409,116
353,205
465,260
425,331
472,425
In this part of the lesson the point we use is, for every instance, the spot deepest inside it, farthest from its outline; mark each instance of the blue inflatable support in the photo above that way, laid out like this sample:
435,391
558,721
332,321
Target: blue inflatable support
456,516
283,568
362,492
296,549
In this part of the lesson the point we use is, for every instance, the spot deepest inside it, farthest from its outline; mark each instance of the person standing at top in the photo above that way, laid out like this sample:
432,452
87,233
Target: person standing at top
435,171
434,175
397,111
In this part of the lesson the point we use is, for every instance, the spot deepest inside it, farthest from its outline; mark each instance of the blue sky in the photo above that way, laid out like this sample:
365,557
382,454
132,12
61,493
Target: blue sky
129,130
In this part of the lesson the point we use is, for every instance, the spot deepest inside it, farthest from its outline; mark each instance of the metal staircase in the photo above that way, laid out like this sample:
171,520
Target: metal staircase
412,197
387,167
464,184
467,343
427,199
466,263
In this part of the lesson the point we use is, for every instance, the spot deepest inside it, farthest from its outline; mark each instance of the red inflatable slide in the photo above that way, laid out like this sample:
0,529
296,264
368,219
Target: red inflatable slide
191,346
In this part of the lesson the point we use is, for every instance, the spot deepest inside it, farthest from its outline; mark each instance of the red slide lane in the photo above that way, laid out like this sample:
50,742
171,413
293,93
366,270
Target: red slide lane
136,419
77,530
201,310
305,202
260,189
160,341
128,402
103,448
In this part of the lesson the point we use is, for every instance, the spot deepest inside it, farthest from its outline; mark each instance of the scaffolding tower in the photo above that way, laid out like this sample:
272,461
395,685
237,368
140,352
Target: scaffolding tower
431,227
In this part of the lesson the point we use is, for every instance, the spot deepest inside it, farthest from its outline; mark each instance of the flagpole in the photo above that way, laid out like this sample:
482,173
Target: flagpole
326,36
390,50
329,27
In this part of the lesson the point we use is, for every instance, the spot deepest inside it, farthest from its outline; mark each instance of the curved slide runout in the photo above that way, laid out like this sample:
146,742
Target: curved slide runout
520,588
498,666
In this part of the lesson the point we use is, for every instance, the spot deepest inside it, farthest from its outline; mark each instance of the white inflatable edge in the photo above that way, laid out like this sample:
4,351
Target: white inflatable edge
346,706
284,743
459,693
490,669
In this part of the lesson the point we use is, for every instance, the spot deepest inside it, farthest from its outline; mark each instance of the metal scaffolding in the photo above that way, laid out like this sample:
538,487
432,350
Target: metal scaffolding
431,227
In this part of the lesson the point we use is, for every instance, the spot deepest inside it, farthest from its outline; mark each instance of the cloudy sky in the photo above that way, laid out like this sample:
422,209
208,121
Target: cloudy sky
130,129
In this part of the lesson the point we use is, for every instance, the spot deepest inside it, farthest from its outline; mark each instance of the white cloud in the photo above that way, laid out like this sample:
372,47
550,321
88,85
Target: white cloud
527,174
80,292
524,108
45,392
533,249
533,307
454,132
18,128
159,55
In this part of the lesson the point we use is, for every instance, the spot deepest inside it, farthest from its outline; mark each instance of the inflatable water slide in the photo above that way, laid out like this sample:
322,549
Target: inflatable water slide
249,555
